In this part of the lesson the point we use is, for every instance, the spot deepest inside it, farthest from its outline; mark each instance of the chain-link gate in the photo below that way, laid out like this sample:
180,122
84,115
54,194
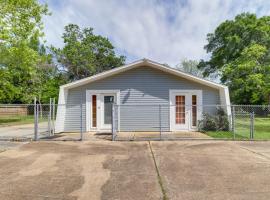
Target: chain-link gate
45,115
46,121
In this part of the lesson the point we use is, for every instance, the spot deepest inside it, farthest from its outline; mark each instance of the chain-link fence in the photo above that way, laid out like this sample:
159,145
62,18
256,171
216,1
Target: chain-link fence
16,121
60,122
172,122
134,122
44,121
252,121
38,122
26,121
70,122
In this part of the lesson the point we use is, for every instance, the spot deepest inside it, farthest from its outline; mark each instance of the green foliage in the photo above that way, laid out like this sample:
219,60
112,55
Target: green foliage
240,54
20,21
27,70
20,26
51,79
247,76
217,122
191,67
85,53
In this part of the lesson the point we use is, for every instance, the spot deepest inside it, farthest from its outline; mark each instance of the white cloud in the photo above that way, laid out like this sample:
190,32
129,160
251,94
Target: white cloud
165,31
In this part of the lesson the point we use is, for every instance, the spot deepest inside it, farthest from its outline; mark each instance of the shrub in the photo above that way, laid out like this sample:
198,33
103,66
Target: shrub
218,122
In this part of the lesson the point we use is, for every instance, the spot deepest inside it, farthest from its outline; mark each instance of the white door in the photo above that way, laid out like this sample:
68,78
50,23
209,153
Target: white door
180,112
106,102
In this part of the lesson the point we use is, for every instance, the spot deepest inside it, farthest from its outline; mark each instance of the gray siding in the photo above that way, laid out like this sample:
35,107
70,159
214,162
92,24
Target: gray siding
142,85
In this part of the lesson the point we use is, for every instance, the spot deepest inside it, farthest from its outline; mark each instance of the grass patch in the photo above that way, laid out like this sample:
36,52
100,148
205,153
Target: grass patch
224,135
242,130
262,128
16,120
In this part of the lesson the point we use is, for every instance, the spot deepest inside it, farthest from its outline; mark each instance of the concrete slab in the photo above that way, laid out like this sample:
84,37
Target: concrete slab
87,136
140,135
128,136
258,147
126,170
212,170
78,170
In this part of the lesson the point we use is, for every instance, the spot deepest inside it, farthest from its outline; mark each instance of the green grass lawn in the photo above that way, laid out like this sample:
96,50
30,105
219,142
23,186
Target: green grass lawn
242,129
16,120
262,128
224,135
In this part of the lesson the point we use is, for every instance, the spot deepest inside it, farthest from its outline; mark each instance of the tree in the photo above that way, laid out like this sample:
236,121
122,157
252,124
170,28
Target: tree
240,55
85,54
49,76
248,76
20,27
191,67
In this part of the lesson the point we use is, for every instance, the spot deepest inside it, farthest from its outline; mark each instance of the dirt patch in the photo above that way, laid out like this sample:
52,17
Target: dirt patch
16,153
42,164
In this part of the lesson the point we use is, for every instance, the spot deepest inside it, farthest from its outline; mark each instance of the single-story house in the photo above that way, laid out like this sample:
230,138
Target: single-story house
141,91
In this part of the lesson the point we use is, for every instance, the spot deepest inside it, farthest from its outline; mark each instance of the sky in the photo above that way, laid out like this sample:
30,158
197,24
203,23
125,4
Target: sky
166,31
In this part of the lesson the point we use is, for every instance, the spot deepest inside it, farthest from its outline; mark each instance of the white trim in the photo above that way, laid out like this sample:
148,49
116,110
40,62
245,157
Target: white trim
189,93
89,94
225,100
88,110
61,110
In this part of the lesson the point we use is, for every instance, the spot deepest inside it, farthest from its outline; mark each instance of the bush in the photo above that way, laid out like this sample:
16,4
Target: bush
218,122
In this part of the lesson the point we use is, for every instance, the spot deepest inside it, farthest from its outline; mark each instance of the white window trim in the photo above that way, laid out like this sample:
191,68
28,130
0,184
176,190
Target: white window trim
88,117
172,92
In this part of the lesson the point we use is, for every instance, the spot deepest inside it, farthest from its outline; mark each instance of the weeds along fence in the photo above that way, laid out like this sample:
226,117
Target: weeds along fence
134,122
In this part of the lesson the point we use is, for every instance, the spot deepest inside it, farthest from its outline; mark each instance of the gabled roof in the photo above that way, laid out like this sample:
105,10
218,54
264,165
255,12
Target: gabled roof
139,63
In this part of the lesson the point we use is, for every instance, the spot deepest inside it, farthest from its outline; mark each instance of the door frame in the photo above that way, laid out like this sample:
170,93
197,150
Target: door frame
188,94
88,114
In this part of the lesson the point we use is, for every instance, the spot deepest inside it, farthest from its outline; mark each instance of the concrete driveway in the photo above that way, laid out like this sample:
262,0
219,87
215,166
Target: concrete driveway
21,130
214,170
136,170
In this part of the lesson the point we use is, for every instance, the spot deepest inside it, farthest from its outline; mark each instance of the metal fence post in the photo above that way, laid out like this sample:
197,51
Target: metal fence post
50,117
53,116
36,120
252,125
160,135
113,123
81,131
233,122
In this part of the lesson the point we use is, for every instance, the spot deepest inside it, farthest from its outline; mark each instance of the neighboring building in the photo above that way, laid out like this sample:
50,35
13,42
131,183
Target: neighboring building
141,90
